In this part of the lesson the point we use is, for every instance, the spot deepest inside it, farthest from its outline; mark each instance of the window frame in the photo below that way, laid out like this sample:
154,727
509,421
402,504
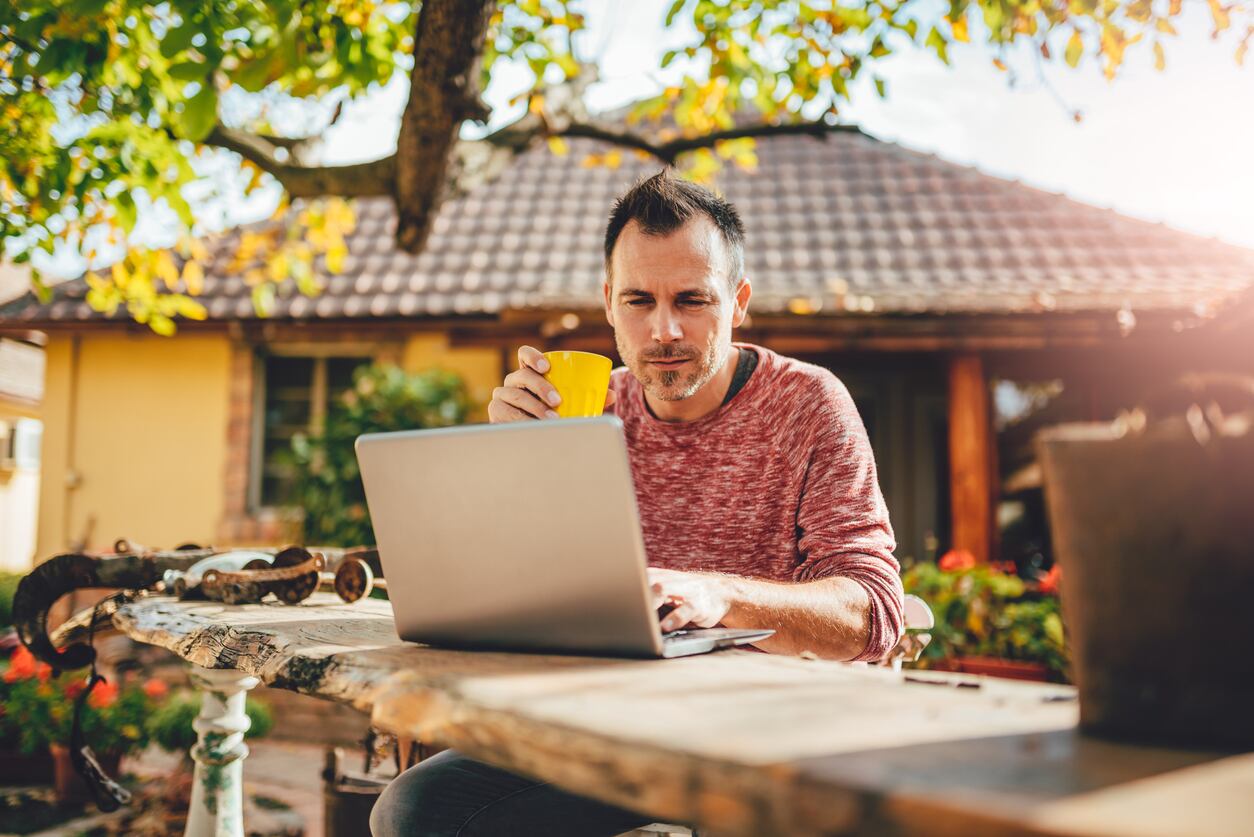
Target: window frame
320,353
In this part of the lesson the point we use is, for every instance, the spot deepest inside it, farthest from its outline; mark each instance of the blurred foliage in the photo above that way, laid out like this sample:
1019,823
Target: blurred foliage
116,107
985,611
170,727
8,587
328,484
38,708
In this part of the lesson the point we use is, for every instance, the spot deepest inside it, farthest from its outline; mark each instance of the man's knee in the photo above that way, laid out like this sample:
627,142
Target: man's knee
407,804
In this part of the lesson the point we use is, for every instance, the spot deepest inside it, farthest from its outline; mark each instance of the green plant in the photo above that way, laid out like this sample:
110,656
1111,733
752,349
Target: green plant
170,727
8,587
984,611
383,398
38,708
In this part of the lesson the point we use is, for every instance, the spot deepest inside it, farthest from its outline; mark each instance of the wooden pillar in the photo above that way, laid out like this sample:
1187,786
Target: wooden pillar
217,806
972,457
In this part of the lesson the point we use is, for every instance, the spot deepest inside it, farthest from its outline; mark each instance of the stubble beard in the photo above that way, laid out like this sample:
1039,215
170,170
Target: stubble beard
671,385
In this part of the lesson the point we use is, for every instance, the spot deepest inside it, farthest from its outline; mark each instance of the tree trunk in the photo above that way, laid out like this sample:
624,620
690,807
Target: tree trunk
443,91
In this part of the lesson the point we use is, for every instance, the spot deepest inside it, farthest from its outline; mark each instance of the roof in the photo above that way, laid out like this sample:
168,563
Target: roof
836,224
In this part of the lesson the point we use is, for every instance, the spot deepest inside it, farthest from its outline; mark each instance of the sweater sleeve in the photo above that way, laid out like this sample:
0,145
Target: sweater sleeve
842,519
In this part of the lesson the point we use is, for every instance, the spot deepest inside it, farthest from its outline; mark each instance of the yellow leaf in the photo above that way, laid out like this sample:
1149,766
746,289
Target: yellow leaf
276,267
590,161
162,324
1160,60
190,308
960,29
1075,48
1241,50
194,278
119,275
335,258
1163,25
1219,14
167,271
255,277
1174,7
558,146
702,166
613,159
536,105
999,64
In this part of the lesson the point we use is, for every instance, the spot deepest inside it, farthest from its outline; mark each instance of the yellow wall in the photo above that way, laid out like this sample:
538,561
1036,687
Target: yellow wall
147,441
145,445
480,368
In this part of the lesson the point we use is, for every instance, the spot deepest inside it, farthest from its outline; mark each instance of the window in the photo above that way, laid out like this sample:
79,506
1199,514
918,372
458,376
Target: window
295,393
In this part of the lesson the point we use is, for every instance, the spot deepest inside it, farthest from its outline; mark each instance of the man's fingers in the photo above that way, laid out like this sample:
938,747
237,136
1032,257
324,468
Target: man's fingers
534,383
530,358
610,398
500,412
677,618
522,400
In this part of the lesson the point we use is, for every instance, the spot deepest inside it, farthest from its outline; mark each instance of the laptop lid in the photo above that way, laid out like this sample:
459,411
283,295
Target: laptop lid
523,535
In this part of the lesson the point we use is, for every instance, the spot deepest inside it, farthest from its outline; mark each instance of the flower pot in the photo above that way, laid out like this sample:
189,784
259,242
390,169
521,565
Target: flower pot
68,784
22,769
1155,534
995,667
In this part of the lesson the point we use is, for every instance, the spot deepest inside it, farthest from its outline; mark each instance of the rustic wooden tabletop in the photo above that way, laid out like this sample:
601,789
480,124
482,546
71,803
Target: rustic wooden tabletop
738,742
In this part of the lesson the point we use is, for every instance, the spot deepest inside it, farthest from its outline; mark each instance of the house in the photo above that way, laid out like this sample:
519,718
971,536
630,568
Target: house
21,389
954,305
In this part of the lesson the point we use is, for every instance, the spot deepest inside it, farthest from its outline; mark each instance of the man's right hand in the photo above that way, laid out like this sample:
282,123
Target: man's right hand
525,393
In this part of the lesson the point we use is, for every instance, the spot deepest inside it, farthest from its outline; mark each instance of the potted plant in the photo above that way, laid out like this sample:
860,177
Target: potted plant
39,714
989,620
1152,522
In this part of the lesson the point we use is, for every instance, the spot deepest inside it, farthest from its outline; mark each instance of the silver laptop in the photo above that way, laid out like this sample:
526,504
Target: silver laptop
520,536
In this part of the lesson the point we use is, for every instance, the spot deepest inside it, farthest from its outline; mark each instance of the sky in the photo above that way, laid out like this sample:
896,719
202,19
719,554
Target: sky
1171,146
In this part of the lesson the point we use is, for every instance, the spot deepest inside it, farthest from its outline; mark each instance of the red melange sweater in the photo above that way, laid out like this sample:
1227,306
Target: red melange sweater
779,483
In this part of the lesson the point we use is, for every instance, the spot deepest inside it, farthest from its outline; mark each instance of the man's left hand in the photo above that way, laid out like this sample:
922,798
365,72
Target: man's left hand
700,599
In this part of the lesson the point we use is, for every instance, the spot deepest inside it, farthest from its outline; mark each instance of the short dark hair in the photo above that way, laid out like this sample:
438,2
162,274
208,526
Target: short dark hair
663,203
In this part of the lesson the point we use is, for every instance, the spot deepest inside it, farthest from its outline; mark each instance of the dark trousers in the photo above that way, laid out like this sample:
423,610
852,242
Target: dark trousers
450,795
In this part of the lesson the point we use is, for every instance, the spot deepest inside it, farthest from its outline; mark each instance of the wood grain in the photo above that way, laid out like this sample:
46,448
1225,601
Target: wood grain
740,743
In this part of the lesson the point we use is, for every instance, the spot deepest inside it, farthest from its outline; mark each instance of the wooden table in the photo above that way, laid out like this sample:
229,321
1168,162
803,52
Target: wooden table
737,742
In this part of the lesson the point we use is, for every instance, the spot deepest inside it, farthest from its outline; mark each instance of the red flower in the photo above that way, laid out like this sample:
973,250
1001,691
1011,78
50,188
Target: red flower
1048,583
74,688
956,559
155,689
22,665
103,695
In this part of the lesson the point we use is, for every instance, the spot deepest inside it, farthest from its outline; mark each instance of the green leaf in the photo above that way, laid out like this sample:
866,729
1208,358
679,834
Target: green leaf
189,70
676,8
127,211
880,89
178,39
937,42
200,114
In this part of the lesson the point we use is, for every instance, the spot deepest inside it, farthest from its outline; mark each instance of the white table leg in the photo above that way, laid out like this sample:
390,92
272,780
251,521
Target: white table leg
217,806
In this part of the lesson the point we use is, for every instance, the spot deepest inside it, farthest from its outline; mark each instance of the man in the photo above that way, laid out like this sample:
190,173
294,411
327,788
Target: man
754,478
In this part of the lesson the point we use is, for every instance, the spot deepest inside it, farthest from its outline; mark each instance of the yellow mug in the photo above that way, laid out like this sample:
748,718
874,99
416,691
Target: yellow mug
582,379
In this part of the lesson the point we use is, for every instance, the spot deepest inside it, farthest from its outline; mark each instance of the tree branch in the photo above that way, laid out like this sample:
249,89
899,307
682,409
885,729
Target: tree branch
358,180
443,91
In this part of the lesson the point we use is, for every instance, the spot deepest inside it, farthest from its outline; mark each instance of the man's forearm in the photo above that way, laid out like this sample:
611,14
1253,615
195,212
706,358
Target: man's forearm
830,617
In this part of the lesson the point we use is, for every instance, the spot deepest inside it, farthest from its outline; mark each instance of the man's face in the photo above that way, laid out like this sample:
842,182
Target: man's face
672,307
